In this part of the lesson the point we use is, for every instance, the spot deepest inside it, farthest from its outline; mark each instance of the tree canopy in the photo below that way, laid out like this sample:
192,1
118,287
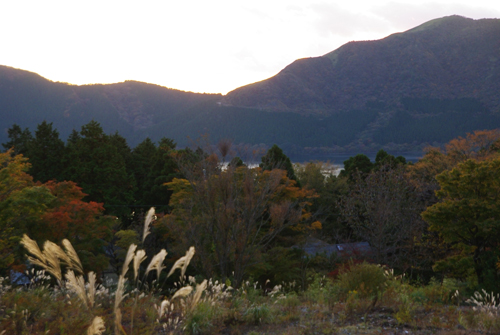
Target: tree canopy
468,215
276,159
231,215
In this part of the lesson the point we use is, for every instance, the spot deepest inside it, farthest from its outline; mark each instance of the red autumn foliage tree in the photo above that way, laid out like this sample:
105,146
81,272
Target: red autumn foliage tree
70,217
80,222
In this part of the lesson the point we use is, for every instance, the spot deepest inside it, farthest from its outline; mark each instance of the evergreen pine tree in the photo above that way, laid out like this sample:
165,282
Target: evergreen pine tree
19,140
95,164
276,159
45,154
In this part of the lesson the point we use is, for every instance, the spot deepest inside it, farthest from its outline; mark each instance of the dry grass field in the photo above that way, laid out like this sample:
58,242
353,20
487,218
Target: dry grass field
366,299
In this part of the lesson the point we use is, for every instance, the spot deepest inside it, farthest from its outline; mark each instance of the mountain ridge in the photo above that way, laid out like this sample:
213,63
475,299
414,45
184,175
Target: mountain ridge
407,62
423,86
27,99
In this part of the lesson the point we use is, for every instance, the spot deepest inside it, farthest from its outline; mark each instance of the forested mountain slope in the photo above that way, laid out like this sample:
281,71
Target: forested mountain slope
448,58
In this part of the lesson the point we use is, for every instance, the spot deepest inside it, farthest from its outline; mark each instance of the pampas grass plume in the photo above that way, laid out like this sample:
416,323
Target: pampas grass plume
45,259
147,222
182,263
118,322
157,263
57,252
186,290
164,306
128,259
139,257
52,255
76,264
119,294
197,295
97,327
91,289
77,285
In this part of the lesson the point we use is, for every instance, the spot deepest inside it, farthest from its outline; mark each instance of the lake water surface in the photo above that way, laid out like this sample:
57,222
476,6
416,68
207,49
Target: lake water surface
338,159
335,162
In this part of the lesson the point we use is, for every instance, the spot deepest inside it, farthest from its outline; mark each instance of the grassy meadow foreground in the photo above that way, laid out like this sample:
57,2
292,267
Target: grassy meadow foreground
363,299
326,307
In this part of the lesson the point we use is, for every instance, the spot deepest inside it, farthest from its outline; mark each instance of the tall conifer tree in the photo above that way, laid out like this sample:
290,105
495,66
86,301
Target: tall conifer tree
95,164
19,140
45,154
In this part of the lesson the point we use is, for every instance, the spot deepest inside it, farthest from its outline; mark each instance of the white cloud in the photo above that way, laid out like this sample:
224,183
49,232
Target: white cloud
334,19
404,16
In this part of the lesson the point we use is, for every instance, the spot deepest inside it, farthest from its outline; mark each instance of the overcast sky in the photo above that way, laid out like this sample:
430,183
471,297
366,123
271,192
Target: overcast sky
198,45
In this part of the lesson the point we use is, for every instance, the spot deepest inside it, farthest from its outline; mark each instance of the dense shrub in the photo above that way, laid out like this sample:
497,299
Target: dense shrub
368,280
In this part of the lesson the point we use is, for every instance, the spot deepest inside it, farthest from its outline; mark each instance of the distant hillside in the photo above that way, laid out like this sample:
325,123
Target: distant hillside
129,108
423,86
447,58
430,84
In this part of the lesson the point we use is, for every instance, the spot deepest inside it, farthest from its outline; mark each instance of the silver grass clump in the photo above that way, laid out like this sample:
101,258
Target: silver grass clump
86,293
97,327
187,304
197,295
44,259
138,258
50,259
147,222
485,302
77,286
57,252
155,264
51,256
119,296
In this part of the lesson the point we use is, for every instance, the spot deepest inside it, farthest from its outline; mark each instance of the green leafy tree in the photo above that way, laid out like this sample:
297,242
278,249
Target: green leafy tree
359,163
384,159
329,188
276,159
21,204
311,175
468,215
362,164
